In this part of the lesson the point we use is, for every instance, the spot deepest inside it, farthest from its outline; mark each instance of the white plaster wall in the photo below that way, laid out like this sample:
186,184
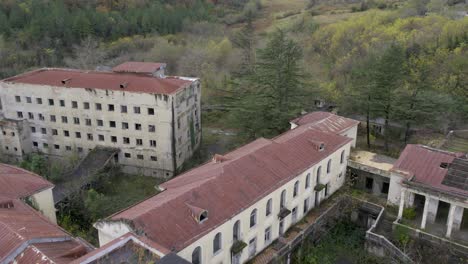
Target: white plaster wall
45,203
394,191
263,222
110,231
351,133
162,119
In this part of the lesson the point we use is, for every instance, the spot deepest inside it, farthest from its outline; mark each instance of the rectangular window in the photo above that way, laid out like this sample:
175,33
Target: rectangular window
52,118
28,100
136,110
77,134
18,98
139,156
74,104
68,148
100,122
41,117
150,111
90,136
62,103
268,235
154,158
51,102
126,140
56,146
64,119
35,144
127,155
76,120
151,128
54,132
88,121
112,123
123,109
153,143
86,105
45,145
124,125
43,130
137,126
33,129
20,114
80,149
139,142
110,107
39,100
66,133
31,115
101,137
114,139
98,106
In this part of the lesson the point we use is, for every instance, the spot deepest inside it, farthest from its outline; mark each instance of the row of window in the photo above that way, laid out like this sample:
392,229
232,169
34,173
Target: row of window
89,122
80,149
217,241
86,105
90,136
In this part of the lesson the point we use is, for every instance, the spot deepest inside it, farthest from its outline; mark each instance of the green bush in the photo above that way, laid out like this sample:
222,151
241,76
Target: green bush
409,213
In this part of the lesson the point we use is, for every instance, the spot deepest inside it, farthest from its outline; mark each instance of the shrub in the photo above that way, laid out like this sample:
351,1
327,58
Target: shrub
409,213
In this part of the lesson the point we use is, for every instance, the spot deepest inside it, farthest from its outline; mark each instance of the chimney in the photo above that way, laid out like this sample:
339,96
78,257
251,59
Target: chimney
318,145
64,81
123,85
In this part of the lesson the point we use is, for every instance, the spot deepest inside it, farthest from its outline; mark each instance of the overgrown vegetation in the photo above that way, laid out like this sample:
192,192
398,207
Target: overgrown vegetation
343,244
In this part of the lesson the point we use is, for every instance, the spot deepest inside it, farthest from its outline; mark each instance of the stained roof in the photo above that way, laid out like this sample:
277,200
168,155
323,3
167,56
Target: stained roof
26,236
226,186
17,183
424,166
138,67
326,122
71,78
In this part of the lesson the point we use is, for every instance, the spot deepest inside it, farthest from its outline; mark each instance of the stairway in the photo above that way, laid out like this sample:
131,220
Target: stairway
96,160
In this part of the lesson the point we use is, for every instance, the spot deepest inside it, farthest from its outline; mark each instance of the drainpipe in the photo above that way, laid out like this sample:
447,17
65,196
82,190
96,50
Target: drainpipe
173,140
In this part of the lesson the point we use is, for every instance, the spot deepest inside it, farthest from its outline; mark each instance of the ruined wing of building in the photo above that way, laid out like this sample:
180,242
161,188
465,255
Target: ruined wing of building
154,120
234,206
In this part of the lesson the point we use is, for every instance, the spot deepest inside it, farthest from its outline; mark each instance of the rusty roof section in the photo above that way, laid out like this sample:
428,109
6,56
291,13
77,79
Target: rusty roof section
325,122
428,166
128,82
226,188
18,183
138,67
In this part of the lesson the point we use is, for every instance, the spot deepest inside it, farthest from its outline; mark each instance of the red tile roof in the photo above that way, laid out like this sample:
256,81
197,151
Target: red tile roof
326,122
423,166
101,80
138,67
227,187
21,227
18,183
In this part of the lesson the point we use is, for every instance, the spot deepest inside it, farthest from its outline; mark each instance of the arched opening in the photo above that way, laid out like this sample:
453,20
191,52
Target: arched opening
196,256
342,157
217,243
329,166
253,218
283,199
236,231
296,189
268,207
307,181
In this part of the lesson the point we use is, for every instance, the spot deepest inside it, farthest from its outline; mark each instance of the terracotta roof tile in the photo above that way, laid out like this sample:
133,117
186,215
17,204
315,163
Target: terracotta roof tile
226,187
100,80
17,183
325,122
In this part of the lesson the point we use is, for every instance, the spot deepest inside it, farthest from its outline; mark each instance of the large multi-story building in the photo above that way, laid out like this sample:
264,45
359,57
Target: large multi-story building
154,120
233,207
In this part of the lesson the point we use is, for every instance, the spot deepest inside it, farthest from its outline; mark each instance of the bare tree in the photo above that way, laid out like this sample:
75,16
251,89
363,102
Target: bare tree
87,55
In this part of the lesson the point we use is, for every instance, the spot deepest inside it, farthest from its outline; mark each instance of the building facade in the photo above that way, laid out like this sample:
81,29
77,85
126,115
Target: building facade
231,208
154,120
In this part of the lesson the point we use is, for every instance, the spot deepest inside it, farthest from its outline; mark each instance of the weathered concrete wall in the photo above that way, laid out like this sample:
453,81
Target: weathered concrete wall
44,201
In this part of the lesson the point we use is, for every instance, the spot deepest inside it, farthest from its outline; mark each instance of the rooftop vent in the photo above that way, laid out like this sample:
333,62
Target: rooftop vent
123,85
318,145
200,215
7,204
64,81
217,158
444,165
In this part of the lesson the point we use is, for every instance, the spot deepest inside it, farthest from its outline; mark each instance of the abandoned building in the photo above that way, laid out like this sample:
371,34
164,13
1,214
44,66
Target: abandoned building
435,186
231,208
153,119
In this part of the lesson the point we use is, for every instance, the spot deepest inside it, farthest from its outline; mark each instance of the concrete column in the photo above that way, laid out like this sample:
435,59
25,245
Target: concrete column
432,209
450,220
424,216
402,203
411,199
458,217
